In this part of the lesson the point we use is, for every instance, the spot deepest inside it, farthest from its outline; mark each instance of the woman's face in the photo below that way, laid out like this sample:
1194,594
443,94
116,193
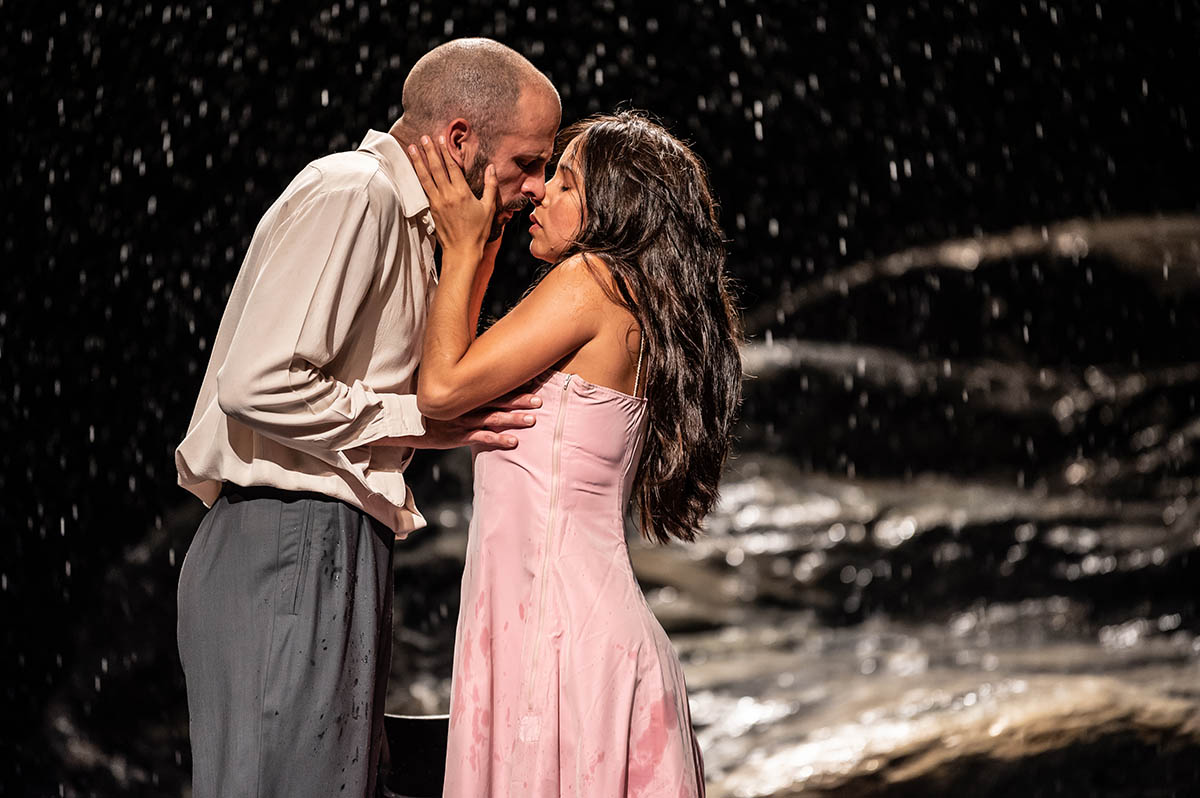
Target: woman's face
557,219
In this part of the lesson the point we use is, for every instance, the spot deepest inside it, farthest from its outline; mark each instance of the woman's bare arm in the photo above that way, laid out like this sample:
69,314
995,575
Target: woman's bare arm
556,318
460,372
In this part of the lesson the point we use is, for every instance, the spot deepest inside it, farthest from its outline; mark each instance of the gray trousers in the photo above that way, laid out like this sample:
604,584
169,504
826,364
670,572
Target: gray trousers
285,621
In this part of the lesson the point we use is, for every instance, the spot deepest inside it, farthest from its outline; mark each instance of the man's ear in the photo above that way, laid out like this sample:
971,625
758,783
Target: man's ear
458,132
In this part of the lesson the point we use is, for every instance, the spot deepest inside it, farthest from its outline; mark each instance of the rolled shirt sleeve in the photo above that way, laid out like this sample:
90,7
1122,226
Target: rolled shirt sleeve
320,266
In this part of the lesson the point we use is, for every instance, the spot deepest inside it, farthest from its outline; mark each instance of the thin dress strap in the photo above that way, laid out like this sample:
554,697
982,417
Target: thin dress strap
637,380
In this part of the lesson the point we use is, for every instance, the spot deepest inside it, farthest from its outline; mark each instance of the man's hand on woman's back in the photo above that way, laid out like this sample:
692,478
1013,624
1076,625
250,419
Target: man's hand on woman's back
485,426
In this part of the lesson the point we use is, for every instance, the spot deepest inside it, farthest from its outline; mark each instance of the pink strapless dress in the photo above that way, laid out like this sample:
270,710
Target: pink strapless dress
564,682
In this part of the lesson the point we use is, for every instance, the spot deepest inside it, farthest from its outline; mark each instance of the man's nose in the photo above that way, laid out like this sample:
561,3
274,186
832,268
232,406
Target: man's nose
534,188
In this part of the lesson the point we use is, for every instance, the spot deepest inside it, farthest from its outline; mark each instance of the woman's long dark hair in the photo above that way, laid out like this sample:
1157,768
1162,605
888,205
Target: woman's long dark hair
651,217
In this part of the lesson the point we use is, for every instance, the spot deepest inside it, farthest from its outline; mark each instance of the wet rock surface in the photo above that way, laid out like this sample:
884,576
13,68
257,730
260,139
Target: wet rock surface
961,687
1039,735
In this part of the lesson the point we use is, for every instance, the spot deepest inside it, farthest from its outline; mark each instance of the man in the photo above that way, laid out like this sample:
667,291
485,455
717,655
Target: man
305,422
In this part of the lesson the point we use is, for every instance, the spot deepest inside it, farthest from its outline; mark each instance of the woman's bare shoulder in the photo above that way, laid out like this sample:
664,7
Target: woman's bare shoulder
581,280
591,275
583,266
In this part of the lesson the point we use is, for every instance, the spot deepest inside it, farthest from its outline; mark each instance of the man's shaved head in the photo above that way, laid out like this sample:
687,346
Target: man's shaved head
490,105
479,80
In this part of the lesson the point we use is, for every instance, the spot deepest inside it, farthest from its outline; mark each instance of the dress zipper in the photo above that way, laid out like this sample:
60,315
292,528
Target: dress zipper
550,519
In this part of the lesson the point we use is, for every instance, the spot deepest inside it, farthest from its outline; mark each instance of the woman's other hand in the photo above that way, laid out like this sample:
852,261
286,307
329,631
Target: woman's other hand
463,222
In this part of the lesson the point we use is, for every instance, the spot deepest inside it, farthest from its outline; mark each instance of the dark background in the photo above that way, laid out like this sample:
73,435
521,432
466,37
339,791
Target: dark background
145,139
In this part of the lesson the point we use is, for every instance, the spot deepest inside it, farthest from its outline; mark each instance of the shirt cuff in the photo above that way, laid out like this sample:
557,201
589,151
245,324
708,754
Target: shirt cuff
401,416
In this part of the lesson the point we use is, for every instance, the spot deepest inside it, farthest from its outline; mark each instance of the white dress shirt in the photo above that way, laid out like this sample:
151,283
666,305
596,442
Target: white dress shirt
317,351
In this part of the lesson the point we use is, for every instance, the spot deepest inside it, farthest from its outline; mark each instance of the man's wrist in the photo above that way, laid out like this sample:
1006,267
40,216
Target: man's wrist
401,442
401,416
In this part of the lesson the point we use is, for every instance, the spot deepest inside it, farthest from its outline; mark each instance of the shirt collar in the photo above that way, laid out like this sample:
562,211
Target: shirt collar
412,197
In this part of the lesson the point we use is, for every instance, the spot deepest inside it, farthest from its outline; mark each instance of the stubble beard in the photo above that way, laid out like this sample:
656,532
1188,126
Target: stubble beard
474,177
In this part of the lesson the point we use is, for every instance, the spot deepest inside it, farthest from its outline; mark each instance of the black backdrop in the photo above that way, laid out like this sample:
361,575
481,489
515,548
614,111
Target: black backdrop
144,139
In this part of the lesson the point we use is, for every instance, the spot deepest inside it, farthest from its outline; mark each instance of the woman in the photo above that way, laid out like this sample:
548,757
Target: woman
564,683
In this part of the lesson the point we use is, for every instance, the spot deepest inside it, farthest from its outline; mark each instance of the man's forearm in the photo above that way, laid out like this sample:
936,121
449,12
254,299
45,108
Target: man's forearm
307,410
